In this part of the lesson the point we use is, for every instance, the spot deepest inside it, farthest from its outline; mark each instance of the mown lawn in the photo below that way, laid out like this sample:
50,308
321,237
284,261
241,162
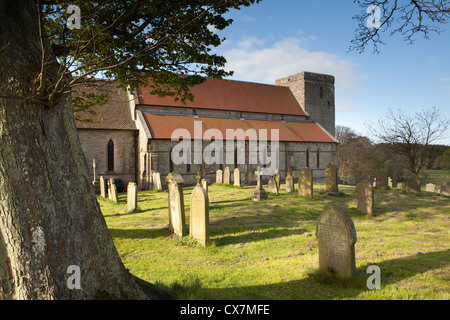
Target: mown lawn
268,249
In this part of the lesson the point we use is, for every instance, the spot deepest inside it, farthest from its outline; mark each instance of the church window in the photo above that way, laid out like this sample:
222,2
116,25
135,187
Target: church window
318,159
321,92
170,161
307,158
110,155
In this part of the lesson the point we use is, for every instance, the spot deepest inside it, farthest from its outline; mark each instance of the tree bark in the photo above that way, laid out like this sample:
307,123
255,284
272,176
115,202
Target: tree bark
49,215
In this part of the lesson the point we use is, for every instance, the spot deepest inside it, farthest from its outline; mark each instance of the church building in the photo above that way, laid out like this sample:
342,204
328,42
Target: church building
133,135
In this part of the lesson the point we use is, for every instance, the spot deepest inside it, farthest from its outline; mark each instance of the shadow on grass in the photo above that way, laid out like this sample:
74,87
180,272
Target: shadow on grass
318,286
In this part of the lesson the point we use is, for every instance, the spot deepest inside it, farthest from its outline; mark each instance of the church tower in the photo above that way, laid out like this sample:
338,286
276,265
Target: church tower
315,94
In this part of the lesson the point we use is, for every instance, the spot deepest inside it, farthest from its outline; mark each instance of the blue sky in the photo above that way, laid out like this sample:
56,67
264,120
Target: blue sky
278,38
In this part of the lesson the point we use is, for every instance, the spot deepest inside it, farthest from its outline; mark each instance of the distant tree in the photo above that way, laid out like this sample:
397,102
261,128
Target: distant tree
446,159
410,135
407,18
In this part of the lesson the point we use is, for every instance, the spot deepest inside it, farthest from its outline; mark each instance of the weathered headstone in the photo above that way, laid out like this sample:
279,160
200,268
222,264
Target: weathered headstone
219,176
226,176
131,196
331,179
278,180
289,182
445,189
237,177
259,193
272,185
103,187
336,236
199,220
413,185
205,185
401,186
430,187
390,183
113,191
177,220
381,181
305,183
365,197
157,181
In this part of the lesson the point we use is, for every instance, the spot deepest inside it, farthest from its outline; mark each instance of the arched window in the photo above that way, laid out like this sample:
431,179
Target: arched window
321,92
170,161
318,158
307,158
110,155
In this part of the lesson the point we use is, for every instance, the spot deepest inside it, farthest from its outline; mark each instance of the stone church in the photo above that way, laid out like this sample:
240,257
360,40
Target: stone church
131,136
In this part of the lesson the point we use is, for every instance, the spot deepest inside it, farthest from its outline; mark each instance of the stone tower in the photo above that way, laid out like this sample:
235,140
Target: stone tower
315,93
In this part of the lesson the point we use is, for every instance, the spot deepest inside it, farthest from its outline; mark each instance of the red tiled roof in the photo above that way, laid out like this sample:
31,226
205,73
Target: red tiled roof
162,127
232,95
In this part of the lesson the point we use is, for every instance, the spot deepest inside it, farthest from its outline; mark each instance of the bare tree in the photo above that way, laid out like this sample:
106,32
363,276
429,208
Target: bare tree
407,18
409,135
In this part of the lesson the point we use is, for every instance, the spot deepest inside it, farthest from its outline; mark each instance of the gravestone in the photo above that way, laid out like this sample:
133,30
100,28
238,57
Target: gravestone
331,179
305,183
381,179
365,197
272,185
219,176
390,183
278,180
430,187
336,237
205,185
289,182
413,185
445,189
226,176
237,177
259,193
401,186
113,191
199,219
103,187
177,220
157,181
131,196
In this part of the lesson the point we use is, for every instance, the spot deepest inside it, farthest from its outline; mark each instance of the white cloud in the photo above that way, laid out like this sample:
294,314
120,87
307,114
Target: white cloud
445,80
250,61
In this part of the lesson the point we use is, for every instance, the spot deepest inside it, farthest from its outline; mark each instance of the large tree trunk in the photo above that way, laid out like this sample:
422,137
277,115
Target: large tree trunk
49,215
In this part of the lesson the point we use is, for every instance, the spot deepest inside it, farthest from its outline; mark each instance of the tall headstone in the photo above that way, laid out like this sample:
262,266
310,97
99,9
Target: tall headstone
430,187
390,183
278,180
219,176
131,196
103,187
205,185
259,193
113,194
336,236
381,181
445,189
237,177
331,179
177,220
226,175
289,182
365,197
199,220
413,185
157,180
272,185
305,183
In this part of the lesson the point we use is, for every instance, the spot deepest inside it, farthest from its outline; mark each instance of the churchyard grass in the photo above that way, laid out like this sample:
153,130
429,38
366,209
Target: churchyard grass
268,249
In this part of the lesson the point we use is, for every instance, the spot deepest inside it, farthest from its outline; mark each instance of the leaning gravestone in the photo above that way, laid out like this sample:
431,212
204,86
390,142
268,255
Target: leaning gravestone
381,181
336,236
430,187
272,185
331,179
131,196
157,181
226,176
102,187
289,182
113,191
305,183
401,186
199,221
445,189
177,221
219,176
259,193
413,185
365,197
237,177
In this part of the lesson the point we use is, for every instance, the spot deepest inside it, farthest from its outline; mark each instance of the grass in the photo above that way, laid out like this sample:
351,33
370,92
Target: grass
268,249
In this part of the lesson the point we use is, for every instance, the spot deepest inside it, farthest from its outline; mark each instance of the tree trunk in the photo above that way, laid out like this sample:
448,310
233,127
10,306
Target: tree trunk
51,225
